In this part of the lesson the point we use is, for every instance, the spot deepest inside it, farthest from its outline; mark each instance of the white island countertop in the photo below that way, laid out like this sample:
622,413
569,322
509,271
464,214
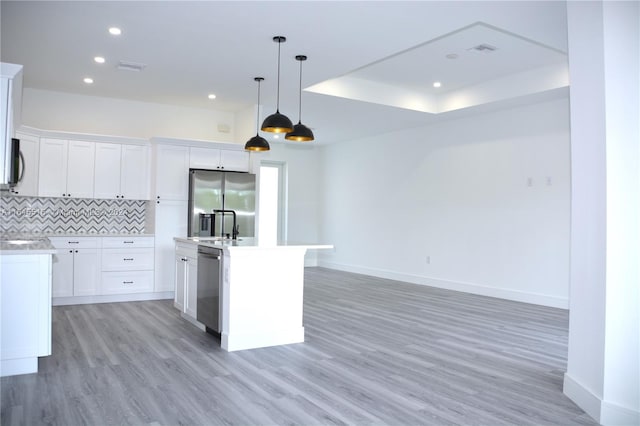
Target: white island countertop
247,243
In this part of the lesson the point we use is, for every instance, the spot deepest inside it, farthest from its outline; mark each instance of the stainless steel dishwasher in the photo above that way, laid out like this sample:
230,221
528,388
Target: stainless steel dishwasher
210,288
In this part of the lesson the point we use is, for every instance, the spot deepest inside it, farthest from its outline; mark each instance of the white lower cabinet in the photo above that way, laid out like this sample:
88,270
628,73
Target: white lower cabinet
180,281
186,279
127,265
128,259
101,266
127,282
76,266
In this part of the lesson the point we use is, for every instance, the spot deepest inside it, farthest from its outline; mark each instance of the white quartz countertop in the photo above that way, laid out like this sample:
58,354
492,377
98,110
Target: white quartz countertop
13,246
39,243
248,243
71,234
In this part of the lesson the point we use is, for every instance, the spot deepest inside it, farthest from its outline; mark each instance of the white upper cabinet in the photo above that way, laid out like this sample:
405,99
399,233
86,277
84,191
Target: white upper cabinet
134,172
237,161
66,168
122,172
107,177
219,159
10,112
29,147
171,172
52,175
80,169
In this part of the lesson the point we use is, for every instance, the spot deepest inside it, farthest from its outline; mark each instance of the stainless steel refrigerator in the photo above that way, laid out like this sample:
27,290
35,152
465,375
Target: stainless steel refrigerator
211,190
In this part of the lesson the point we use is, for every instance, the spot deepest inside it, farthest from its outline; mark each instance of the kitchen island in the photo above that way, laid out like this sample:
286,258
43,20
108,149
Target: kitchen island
25,303
261,291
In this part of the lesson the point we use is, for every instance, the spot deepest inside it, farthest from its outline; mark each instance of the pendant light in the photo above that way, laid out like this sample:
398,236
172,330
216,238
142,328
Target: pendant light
277,123
257,143
300,133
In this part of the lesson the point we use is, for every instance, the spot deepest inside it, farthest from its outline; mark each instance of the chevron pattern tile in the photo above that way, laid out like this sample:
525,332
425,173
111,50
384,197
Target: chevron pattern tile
71,215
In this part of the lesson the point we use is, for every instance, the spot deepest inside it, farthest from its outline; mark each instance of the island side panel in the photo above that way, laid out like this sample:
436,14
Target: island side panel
262,297
25,295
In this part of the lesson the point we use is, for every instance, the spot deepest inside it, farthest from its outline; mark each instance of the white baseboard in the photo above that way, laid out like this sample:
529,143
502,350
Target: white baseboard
604,412
583,397
483,290
241,341
615,415
14,367
133,297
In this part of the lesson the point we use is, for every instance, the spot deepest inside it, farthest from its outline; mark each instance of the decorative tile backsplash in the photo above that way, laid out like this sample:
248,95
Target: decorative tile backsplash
71,215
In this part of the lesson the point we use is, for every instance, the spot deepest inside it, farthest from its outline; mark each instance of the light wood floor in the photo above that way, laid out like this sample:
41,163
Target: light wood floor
377,352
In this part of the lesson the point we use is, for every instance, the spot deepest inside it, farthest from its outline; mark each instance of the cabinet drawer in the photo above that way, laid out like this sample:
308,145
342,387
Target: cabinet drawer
127,282
126,242
74,242
127,259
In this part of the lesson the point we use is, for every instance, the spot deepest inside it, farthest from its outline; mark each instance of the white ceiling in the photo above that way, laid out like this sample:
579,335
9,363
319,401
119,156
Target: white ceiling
371,64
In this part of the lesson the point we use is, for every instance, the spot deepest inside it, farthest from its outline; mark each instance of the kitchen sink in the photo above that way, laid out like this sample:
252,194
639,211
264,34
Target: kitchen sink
205,239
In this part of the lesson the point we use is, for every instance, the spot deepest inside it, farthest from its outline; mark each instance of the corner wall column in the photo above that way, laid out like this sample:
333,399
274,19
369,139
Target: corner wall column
603,371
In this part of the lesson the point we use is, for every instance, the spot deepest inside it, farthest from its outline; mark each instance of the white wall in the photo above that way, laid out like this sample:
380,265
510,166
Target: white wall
485,198
302,165
90,114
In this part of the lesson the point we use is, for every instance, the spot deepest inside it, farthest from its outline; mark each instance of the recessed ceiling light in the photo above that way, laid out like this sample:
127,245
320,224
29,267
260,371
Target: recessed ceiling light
452,56
115,31
211,96
276,136
99,59
437,84
88,80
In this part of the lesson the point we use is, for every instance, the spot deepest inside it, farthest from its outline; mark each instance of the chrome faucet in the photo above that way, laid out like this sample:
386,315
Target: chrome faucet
235,229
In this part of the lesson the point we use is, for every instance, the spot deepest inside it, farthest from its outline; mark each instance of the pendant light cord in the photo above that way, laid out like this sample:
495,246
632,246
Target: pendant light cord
300,96
258,108
278,95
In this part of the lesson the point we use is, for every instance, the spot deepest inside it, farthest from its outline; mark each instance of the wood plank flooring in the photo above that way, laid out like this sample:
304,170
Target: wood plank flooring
377,352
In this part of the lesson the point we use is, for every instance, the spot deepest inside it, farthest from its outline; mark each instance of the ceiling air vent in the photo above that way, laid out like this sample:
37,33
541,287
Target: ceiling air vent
131,66
484,48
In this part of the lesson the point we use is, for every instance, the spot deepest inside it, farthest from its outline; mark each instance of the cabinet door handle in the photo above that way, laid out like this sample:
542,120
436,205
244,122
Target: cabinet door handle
73,242
76,251
127,242
127,282
128,258
70,251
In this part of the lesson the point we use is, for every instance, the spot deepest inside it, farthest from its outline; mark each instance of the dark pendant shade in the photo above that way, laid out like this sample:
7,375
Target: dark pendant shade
257,143
277,123
300,133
